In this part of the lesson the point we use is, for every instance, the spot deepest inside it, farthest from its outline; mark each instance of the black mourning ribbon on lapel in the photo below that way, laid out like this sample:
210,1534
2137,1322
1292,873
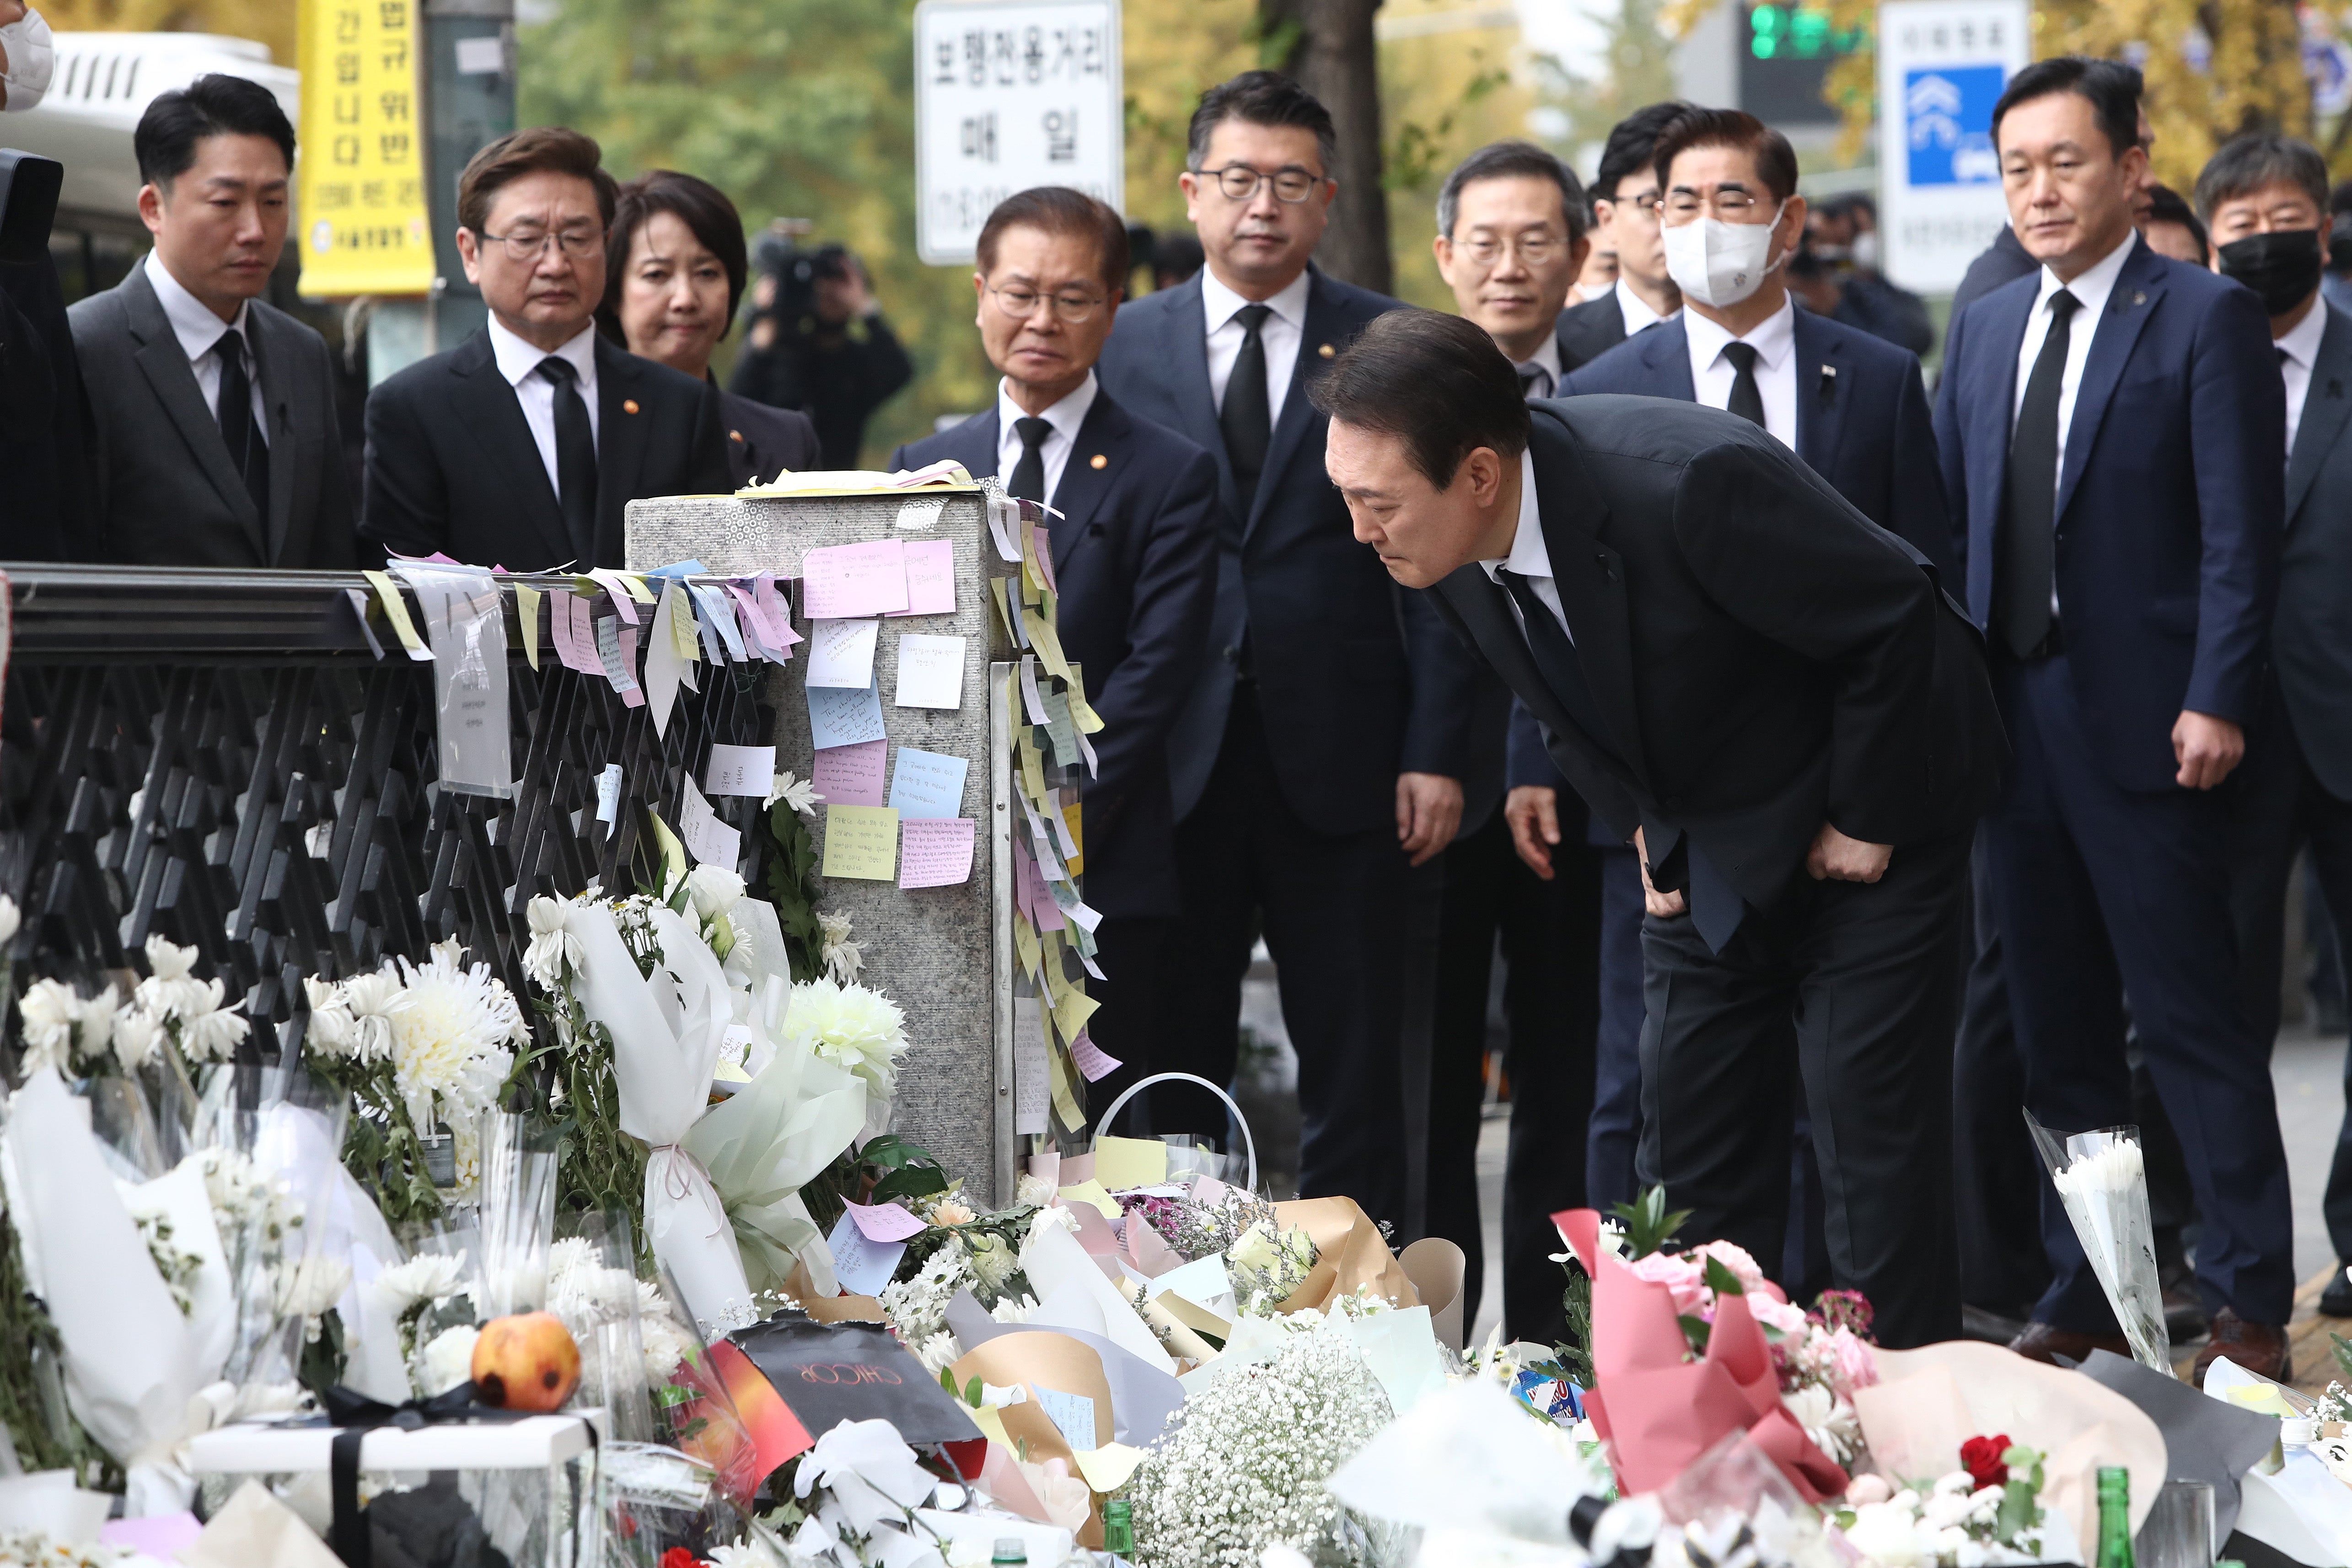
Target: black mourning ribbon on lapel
353,1415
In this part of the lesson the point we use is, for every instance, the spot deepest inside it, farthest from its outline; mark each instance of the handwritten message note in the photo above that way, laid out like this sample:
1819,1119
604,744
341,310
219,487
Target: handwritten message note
931,578
861,841
1032,1090
928,783
740,770
935,852
850,775
930,671
843,579
705,836
883,1222
841,653
863,1266
839,717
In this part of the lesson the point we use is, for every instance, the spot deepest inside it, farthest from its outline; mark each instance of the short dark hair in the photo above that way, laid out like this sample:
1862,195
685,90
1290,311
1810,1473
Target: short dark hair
2250,163
708,214
1260,98
2165,206
1436,381
1776,161
2110,87
538,148
1058,209
1631,142
1515,159
212,105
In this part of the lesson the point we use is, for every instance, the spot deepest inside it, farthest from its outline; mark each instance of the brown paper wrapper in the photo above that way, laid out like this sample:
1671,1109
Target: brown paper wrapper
1040,1360
1350,1253
830,1309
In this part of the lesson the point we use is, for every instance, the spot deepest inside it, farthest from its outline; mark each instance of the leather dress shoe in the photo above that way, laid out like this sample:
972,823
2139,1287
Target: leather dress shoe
2257,1347
2336,1301
2045,1343
2184,1313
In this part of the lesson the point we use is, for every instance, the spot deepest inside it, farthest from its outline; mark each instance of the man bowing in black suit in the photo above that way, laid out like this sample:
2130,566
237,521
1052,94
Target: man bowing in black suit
523,446
1320,752
1767,694
1134,554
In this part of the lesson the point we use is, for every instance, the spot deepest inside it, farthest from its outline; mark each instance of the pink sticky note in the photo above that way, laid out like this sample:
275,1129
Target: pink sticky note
850,775
842,582
883,1222
930,577
635,697
770,597
1044,912
934,851
756,629
159,1535
1090,1059
584,633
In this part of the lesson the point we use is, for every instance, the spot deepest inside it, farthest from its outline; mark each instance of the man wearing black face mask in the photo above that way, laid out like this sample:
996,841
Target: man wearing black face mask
2265,199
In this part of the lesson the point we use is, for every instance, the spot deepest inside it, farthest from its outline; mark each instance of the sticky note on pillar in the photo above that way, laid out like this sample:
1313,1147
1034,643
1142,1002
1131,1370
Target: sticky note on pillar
738,770
849,775
928,783
841,653
861,842
935,852
841,717
844,580
1124,1163
930,577
930,671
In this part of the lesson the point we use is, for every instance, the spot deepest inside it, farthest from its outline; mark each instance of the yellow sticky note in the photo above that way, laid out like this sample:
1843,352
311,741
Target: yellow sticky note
1033,771
635,584
395,610
1066,1103
1124,1163
526,610
1076,863
1086,717
991,1424
1107,1468
862,841
677,610
1049,648
1024,942
1092,1192
1071,1011
996,591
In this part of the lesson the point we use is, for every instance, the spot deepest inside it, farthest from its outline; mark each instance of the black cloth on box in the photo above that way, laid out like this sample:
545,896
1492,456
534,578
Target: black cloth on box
432,1526
830,1372
428,1531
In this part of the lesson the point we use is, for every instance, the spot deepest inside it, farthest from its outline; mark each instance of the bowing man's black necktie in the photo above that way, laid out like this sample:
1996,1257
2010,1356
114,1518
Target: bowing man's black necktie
1245,420
2029,548
1028,482
248,452
1556,659
1747,397
575,457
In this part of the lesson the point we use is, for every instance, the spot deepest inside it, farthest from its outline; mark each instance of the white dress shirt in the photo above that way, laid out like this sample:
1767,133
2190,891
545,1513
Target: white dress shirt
1065,416
1528,557
2090,289
2298,352
199,331
1775,342
519,362
1636,310
1547,360
1281,333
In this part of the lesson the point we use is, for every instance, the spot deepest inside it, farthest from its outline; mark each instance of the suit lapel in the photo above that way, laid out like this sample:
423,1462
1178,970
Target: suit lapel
2324,407
1485,612
623,424
1080,494
487,406
1591,579
1665,352
1820,424
1326,327
2132,301
268,347
173,379
1185,359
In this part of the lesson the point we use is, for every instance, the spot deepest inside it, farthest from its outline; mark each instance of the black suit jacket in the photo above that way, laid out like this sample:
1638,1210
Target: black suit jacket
2310,634
451,464
1135,556
1589,329
1358,681
1766,658
762,442
2003,261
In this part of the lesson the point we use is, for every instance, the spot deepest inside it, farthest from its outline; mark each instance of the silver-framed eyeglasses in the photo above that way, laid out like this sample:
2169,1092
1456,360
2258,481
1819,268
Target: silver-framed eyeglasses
1240,182
1731,204
1022,303
1535,250
579,244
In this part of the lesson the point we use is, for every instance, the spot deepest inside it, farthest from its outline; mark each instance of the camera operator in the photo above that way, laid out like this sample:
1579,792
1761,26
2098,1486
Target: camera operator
802,352
42,449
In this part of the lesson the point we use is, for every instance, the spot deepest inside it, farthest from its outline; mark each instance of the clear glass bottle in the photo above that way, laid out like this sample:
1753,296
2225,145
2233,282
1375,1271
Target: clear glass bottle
1009,1549
2114,1519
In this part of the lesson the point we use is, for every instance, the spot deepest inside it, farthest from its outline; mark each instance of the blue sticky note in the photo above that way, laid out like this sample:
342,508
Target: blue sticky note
844,715
928,783
1073,1414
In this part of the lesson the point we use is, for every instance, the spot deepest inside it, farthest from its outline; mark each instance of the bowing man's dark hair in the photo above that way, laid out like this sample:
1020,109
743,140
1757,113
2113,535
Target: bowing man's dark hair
213,105
1437,382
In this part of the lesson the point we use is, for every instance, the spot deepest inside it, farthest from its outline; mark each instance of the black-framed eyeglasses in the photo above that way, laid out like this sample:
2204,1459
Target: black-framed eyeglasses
1022,303
579,244
1240,182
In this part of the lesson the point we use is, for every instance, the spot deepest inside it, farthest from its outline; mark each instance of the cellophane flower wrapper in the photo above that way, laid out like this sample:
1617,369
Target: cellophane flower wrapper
517,1217
1736,1490
592,1286
766,1141
267,1171
2102,1179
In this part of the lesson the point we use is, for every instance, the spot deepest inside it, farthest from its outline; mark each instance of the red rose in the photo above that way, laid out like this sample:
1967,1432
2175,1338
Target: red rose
1980,1455
680,1557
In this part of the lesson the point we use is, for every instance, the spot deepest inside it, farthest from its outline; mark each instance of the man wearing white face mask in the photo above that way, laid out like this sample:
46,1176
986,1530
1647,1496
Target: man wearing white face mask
1851,405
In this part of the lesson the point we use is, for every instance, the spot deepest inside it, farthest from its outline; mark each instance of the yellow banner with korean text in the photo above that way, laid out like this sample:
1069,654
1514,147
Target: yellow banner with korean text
360,201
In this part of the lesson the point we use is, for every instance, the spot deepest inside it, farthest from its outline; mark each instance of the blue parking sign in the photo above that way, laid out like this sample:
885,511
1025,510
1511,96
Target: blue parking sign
1948,124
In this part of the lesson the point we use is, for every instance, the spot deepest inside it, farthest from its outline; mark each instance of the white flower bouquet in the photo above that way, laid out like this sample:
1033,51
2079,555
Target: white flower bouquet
2103,1182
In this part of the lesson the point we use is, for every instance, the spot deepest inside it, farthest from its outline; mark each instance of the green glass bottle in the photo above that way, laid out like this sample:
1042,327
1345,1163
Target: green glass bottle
1118,1532
2115,1518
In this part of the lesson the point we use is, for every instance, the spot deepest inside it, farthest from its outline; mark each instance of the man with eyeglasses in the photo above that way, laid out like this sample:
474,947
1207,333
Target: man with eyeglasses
1134,552
1625,223
1319,754
522,447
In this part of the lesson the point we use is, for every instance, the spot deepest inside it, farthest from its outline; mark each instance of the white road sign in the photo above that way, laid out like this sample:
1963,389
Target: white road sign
1941,67
1007,97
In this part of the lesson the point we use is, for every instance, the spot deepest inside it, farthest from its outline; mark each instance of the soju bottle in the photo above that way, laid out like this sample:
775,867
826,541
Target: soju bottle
2115,1518
1118,1534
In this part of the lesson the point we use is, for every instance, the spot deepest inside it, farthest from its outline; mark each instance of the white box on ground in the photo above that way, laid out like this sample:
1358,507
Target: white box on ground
1941,67
256,1448
1008,96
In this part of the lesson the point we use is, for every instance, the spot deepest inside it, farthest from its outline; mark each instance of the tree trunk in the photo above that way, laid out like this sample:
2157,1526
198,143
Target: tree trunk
1330,52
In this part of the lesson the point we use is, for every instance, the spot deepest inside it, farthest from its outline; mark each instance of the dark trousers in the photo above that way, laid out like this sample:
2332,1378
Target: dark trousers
1997,1176
1550,937
2102,892
1128,949
1616,1132
1330,907
2279,807
1853,987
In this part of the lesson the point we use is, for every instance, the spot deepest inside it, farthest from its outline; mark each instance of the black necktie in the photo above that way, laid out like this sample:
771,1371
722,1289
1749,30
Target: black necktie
1029,473
575,457
1556,659
248,452
1747,397
2027,544
1246,420
1533,381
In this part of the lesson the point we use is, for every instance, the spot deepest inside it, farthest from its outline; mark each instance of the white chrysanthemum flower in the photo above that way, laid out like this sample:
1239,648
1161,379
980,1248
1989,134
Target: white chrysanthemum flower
370,1000
430,1277
137,1032
798,793
307,1289
447,1361
938,1352
842,958
715,889
167,961
331,1031
665,1346
862,1030
47,1012
750,1553
450,1030
554,949
212,1032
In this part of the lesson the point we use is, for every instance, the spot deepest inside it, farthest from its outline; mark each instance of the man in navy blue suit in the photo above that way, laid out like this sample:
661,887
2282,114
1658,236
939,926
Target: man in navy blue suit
2110,430
1134,556
1320,752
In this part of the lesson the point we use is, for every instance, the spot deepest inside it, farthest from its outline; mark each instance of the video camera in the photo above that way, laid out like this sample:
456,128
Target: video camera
29,184
781,253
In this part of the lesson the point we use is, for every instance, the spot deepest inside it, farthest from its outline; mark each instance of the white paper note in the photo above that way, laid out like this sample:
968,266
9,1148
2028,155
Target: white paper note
930,671
1032,1091
1073,1414
841,653
705,836
608,794
740,770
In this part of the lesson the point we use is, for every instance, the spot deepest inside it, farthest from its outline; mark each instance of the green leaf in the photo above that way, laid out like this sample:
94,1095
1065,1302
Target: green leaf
2018,1510
1722,1281
910,1181
1695,1329
947,1381
973,1391
1649,1225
